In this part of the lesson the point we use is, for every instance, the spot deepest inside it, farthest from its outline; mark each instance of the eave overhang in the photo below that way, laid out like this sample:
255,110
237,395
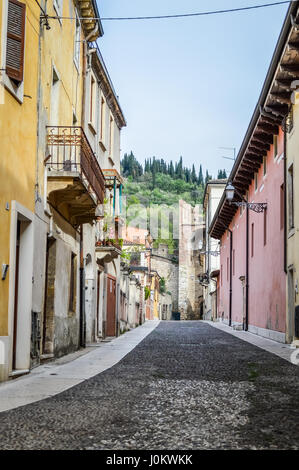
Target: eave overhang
91,22
269,116
107,87
210,183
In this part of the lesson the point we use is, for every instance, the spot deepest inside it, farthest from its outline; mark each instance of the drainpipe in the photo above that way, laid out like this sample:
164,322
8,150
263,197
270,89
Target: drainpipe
285,202
230,277
114,196
82,294
120,199
247,272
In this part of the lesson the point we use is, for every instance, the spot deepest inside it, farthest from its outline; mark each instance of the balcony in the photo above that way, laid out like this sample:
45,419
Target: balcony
75,181
112,178
108,250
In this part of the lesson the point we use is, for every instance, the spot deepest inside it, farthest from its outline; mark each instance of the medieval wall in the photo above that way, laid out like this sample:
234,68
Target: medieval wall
163,263
190,299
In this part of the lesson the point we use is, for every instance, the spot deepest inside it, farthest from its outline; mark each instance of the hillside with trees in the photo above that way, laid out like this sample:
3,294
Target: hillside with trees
159,182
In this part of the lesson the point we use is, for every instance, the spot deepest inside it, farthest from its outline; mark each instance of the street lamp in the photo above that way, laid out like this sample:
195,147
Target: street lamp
230,192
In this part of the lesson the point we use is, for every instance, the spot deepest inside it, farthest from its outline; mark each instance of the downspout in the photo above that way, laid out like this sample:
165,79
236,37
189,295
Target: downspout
82,294
114,196
247,272
285,201
231,279
120,199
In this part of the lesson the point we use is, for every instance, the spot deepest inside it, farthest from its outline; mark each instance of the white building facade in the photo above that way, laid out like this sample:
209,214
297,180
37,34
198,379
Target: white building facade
212,195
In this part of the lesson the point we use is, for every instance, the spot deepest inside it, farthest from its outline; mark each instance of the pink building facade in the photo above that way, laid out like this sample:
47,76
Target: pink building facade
252,221
267,277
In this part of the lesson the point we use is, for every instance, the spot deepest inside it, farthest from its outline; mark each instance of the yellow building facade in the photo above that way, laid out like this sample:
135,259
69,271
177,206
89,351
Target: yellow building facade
19,30
69,185
50,182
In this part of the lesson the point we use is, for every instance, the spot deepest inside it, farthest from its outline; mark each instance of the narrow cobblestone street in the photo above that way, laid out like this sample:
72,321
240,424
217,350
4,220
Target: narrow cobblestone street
186,386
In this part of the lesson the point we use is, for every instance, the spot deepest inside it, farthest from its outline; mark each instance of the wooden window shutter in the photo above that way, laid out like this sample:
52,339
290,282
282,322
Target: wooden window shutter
15,40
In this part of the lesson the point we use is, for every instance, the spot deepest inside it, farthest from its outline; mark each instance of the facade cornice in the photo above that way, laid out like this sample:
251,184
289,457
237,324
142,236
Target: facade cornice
91,22
100,70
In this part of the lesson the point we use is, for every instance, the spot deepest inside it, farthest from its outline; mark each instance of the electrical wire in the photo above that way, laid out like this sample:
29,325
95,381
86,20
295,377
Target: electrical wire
41,8
184,15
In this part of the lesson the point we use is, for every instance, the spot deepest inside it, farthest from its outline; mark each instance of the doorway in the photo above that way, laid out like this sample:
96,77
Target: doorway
291,307
48,313
20,304
111,306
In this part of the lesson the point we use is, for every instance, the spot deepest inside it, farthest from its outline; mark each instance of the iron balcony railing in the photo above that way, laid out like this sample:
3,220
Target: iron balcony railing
70,151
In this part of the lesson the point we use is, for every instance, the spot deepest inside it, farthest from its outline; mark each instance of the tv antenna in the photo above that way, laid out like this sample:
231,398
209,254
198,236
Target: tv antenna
230,148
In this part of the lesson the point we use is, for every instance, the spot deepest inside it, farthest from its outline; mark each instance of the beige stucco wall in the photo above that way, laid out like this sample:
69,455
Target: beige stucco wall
293,234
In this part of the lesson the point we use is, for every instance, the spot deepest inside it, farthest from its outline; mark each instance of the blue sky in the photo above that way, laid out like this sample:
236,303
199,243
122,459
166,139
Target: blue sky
188,86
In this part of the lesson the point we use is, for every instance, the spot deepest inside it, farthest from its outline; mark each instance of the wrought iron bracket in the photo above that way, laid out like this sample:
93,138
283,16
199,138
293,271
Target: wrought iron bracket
253,206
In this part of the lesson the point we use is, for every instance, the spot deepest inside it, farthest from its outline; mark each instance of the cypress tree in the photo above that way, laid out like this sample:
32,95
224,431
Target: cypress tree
200,176
193,175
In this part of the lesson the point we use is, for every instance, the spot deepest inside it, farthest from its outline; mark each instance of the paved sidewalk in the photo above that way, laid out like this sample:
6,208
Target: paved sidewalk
56,377
279,349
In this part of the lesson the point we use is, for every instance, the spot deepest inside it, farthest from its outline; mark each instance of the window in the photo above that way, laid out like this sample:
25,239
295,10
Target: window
15,40
92,100
255,181
252,240
102,125
227,269
265,165
77,42
234,262
111,124
282,207
55,90
72,297
265,227
221,275
275,146
291,197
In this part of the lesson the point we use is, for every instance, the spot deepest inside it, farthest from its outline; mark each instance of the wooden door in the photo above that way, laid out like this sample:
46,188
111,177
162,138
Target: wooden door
111,304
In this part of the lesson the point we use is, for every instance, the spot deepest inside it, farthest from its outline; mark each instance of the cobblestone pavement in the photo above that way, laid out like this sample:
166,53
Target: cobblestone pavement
186,386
